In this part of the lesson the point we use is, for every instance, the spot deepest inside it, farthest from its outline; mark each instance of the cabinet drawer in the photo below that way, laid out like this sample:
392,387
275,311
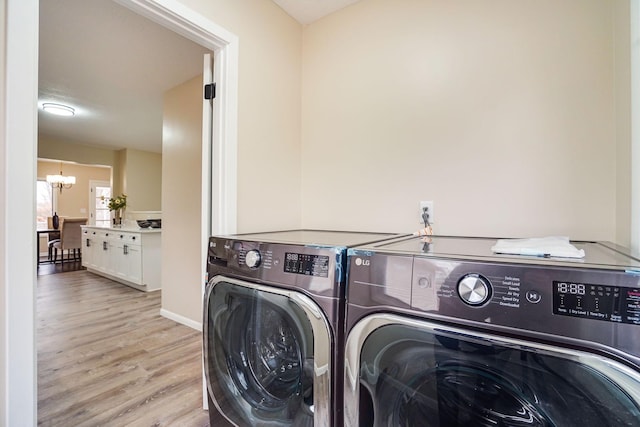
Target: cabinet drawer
127,238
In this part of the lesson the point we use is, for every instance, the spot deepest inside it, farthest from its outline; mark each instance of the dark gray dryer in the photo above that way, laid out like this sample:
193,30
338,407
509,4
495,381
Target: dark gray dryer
444,333
273,327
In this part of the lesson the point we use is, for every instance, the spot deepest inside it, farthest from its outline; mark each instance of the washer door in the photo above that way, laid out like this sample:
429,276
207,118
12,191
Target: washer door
402,372
265,350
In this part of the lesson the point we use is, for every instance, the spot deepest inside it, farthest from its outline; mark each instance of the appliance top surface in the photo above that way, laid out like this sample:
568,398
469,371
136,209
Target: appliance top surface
597,254
313,237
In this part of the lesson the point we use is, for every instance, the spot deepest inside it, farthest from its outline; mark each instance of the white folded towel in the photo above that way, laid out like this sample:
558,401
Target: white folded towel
557,246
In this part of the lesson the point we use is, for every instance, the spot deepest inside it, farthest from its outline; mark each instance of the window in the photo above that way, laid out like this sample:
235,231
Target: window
44,203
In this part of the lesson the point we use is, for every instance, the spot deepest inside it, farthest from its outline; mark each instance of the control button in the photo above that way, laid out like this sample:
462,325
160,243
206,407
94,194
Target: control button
474,289
533,296
252,259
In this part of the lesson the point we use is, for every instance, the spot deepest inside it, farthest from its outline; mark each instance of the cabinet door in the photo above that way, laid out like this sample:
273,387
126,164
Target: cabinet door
101,254
87,249
118,259
127,260
133,261
126,257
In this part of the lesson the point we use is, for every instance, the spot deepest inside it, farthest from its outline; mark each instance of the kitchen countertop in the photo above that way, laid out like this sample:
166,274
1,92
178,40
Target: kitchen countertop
130,229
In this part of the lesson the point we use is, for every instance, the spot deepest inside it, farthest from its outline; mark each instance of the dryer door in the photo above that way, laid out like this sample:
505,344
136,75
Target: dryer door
266,355
403,372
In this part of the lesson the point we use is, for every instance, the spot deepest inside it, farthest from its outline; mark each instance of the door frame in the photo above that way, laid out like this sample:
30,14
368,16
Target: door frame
221,189
18,387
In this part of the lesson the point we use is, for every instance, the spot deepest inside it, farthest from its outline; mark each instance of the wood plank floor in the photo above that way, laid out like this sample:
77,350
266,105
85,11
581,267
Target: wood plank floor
50,268
106,357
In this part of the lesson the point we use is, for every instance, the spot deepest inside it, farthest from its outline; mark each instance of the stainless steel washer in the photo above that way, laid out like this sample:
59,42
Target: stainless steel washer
444,333
273,327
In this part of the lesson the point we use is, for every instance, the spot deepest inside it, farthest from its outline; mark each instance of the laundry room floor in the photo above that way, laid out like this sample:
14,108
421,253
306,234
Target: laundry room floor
106,357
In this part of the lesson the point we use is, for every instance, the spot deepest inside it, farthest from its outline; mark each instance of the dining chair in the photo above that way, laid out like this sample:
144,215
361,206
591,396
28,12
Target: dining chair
51,237
70,239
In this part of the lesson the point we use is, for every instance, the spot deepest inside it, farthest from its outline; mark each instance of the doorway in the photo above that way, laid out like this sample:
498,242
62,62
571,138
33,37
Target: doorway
99,194
18,265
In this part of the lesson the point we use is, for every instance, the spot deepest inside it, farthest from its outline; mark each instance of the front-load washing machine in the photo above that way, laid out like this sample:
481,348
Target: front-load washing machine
445,333
273,327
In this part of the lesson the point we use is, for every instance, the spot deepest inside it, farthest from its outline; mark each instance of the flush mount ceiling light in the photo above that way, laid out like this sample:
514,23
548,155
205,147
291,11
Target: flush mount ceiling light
58,109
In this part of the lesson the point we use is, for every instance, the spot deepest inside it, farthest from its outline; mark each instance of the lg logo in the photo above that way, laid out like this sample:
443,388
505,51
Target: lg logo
364,262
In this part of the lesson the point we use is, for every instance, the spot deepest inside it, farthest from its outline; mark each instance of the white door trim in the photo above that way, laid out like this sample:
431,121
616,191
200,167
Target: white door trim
223,169
18,395
18,152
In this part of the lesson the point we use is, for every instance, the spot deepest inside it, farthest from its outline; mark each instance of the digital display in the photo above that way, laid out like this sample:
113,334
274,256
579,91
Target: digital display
599,302
309,265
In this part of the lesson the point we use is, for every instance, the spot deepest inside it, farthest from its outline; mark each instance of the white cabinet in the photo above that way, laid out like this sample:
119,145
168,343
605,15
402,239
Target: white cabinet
129,256
96,249
126,254
88,247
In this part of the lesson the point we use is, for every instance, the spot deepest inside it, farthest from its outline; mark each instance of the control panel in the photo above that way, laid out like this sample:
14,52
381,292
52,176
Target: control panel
597,301
574,303
306,264
299,266
296,263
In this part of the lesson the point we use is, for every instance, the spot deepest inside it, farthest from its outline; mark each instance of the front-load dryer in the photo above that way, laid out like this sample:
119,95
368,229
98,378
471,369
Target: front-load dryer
443,333
273,327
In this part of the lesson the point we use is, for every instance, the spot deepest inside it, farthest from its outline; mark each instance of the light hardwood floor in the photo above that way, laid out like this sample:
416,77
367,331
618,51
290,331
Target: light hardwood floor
107,358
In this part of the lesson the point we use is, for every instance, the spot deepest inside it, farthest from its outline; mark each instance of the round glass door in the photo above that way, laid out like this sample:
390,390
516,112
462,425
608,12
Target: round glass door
434,377
260,357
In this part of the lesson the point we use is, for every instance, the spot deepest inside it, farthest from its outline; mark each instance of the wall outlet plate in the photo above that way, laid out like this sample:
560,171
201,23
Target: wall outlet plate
429,205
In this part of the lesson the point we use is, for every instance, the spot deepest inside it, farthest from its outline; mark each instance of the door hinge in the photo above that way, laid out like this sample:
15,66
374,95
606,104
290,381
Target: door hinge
210,91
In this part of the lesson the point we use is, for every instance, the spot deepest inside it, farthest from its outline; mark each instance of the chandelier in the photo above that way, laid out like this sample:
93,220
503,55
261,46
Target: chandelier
61,181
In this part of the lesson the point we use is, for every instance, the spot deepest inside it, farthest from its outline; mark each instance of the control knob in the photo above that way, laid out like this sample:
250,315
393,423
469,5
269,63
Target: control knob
474,289
252,258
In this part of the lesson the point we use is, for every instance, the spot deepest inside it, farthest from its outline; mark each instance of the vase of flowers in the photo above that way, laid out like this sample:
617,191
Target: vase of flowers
117,205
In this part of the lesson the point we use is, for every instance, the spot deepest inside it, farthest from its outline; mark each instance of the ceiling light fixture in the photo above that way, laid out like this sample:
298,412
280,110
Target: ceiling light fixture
61,181
58,109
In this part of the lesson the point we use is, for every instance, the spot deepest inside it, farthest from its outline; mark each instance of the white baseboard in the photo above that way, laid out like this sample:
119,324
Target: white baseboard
181,319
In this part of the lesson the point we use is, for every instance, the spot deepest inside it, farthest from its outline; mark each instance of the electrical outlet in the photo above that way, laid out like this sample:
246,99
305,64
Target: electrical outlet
428,204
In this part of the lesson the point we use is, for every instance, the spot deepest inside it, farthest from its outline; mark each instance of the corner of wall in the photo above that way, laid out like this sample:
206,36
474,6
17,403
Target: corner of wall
119,176
635,124
622,93
3,202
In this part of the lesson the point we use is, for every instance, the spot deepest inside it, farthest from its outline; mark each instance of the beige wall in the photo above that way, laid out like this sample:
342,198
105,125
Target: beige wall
269,99
136,173
622,64
635,124
74,201
53,148
181,200
141,179
501,112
